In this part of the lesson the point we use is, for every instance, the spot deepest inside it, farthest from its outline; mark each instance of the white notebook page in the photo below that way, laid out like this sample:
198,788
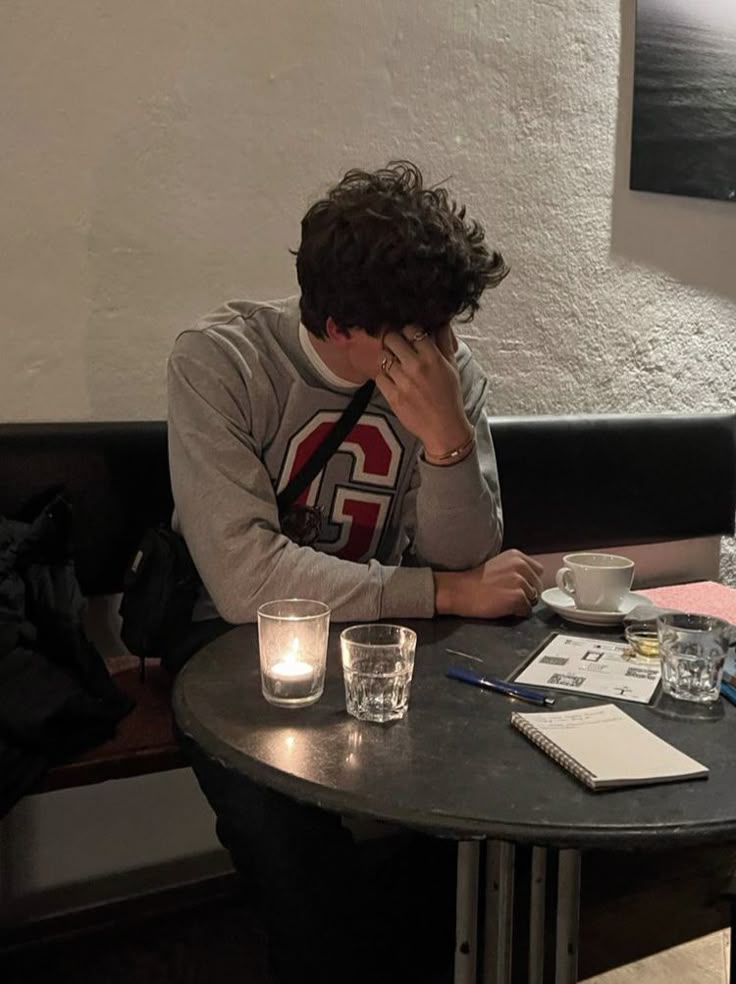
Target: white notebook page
612,746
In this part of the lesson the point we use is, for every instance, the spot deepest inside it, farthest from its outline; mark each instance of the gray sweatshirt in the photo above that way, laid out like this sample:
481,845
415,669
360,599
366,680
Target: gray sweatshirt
249,398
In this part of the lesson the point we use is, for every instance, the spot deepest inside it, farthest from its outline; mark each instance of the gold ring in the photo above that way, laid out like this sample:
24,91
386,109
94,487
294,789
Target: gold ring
387,362
419,335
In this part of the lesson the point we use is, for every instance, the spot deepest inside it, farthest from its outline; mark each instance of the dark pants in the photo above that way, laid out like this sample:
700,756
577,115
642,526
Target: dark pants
335,910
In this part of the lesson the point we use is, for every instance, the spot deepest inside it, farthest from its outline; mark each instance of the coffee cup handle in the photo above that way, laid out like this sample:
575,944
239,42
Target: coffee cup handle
564,581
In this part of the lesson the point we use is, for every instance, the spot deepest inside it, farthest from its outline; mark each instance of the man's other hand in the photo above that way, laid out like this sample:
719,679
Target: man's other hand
508,584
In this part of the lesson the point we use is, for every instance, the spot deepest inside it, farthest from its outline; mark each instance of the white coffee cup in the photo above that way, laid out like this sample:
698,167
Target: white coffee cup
597,582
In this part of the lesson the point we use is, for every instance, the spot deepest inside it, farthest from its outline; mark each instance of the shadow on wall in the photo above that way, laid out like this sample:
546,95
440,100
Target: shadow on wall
691,239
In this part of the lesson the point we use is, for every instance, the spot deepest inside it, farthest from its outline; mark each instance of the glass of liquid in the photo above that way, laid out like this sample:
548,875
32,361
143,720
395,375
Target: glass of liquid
693,650
643,640
377,666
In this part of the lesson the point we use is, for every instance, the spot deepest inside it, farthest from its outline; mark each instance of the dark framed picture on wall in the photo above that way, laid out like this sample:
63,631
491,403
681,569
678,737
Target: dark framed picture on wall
684,122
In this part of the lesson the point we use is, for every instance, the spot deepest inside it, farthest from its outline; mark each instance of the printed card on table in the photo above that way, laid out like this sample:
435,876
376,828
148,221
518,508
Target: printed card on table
593,667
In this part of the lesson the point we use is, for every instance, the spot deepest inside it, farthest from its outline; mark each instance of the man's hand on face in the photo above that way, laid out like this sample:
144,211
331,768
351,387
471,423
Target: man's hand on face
419,379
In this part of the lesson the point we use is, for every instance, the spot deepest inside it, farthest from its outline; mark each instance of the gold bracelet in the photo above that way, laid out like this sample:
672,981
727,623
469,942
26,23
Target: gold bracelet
455,453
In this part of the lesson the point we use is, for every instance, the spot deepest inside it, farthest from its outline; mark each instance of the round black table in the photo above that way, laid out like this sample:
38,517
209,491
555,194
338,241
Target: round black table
455,767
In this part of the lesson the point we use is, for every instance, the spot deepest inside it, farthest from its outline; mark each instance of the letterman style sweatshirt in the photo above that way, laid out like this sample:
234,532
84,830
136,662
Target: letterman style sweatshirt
249,400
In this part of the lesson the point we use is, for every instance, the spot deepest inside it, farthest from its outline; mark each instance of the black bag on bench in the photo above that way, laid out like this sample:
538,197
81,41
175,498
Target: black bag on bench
159,591
162,583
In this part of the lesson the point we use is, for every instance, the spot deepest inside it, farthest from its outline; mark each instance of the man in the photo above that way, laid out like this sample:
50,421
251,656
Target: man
411,512
384,267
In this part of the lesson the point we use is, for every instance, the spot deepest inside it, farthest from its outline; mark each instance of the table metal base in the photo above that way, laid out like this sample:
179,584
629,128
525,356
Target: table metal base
486,885
466,912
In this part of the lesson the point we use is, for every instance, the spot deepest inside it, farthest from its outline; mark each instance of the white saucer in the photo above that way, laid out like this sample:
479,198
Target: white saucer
563,604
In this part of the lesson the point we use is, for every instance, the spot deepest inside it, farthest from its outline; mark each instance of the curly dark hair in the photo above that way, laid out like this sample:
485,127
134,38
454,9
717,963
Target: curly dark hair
382,251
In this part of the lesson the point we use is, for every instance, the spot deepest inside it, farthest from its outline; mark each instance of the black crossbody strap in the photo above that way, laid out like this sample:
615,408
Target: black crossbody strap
353,411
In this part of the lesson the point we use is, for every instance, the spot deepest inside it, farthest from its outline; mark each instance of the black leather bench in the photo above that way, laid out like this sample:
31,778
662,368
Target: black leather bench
567,482
577,482
117,478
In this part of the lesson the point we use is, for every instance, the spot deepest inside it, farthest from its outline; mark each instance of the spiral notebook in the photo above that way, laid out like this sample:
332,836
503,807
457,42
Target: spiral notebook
604,748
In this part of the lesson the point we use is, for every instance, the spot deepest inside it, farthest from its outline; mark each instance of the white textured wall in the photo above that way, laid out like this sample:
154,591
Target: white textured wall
156,157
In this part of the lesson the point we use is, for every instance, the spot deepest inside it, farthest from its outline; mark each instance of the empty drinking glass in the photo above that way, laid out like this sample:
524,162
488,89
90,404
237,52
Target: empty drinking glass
693,650
377,664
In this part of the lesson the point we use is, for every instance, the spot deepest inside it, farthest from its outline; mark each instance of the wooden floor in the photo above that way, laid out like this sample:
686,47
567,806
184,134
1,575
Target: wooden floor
649,919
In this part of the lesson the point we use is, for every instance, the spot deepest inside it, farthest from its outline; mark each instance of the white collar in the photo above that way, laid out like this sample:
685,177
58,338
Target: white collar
323,370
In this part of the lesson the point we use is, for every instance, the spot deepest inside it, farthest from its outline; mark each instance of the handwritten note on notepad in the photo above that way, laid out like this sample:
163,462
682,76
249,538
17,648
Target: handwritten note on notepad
605,748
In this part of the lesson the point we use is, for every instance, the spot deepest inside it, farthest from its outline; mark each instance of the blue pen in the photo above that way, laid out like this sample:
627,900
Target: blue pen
728,692
501,687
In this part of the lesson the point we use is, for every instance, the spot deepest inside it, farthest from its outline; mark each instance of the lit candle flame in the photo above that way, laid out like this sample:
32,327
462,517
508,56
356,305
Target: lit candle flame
292,655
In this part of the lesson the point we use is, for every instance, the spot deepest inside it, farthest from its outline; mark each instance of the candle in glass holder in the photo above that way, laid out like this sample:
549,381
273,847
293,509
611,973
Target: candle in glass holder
291,677
292,638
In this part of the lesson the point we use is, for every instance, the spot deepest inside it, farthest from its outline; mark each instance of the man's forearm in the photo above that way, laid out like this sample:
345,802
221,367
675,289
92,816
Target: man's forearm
242,572
445,588
458,522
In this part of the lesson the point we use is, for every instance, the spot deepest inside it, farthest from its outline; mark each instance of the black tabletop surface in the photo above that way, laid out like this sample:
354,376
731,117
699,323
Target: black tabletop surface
454,766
